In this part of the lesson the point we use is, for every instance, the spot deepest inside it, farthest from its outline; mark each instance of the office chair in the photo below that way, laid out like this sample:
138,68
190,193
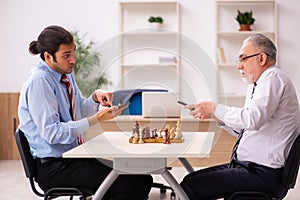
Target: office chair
289,177
29,164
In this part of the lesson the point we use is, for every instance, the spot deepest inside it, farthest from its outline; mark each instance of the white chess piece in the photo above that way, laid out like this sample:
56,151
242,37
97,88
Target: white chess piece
178,133
141,141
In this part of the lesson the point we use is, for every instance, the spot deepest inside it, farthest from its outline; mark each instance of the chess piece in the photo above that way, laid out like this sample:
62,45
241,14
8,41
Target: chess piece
141,141
160,135
172,133
146,132
178,136
154,133
135,138
178,133
168,127
137,127
167,137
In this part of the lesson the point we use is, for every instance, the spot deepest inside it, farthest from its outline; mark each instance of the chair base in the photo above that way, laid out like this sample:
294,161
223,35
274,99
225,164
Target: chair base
249,195
61,191
163,189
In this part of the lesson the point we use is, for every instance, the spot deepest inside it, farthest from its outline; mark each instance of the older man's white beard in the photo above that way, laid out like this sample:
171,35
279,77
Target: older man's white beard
248,78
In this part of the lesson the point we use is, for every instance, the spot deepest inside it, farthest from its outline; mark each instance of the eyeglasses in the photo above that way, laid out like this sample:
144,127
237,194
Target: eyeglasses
243,59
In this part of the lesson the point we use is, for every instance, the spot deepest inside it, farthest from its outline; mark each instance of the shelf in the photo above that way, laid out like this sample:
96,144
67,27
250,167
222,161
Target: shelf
138,3
135,15
243,33
129,66
245,1
149,31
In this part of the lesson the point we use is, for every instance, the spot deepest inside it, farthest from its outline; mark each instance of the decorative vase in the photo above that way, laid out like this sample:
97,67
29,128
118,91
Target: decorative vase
245,27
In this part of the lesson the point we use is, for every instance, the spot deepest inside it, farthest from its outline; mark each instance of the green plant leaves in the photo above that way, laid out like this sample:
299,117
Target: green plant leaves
245,17
87,58
155,20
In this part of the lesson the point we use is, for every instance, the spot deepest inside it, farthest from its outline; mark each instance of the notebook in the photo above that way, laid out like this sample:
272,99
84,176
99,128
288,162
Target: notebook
160,104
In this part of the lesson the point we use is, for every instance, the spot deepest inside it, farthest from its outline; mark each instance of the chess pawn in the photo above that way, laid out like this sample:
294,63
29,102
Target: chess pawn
160,135
155,133
178,135
135,138
141,141
152,134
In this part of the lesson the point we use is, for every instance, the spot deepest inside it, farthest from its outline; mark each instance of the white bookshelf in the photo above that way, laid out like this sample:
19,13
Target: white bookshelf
141,46
231,87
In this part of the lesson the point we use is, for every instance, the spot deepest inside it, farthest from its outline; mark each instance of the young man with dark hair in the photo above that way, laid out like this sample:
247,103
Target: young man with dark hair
54,116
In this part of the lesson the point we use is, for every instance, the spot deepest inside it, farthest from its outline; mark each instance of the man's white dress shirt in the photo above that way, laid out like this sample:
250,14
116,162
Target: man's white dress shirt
271,119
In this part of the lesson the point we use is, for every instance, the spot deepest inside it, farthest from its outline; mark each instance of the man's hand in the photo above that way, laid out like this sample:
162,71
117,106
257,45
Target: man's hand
106,113
103,97
202,110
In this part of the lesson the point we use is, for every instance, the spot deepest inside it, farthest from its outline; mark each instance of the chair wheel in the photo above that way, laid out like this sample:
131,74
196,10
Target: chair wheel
163,190
173,195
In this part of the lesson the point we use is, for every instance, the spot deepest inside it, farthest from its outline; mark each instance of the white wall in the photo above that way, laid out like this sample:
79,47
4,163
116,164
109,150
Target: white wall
22,21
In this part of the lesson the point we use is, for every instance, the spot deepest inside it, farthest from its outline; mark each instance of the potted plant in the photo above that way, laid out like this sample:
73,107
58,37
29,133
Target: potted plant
155,21
87,59
245,20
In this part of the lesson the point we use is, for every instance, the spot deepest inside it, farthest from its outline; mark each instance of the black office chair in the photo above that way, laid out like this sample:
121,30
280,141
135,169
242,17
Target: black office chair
289,177
29,164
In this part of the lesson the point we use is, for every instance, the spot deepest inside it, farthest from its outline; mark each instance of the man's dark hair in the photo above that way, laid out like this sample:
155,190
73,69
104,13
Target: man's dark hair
49,40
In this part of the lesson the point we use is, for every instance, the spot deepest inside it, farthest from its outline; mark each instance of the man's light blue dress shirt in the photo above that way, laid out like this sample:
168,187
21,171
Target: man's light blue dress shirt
44,112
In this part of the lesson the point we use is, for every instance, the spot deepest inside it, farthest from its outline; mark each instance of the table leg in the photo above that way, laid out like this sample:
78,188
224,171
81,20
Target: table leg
186,165
173,183
108,181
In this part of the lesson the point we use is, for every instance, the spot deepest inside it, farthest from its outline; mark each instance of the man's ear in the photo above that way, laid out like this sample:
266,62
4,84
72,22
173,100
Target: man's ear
48,57
262,59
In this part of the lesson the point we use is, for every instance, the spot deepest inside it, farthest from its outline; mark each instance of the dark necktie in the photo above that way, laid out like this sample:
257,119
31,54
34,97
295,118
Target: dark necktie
66,81
236,145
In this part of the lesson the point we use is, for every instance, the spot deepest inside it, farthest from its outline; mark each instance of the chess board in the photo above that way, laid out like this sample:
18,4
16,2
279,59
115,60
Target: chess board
158,140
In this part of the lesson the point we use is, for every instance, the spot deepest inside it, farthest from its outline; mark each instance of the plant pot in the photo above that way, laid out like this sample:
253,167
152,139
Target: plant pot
155,25
245,27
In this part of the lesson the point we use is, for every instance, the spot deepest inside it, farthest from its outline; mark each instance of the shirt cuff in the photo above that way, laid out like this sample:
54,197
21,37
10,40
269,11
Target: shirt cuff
83,125
220,112
96,105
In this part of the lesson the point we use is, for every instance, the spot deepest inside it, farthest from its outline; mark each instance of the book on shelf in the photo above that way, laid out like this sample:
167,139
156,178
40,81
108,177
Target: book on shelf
221,55
167,60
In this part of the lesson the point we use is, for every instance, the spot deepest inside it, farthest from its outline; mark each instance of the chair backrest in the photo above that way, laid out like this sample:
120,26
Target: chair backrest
29,164
28,161
291,168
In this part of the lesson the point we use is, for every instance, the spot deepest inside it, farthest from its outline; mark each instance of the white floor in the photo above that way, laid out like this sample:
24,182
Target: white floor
15,186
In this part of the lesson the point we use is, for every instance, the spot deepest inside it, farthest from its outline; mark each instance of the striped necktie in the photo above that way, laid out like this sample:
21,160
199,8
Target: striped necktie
66,81
236,145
